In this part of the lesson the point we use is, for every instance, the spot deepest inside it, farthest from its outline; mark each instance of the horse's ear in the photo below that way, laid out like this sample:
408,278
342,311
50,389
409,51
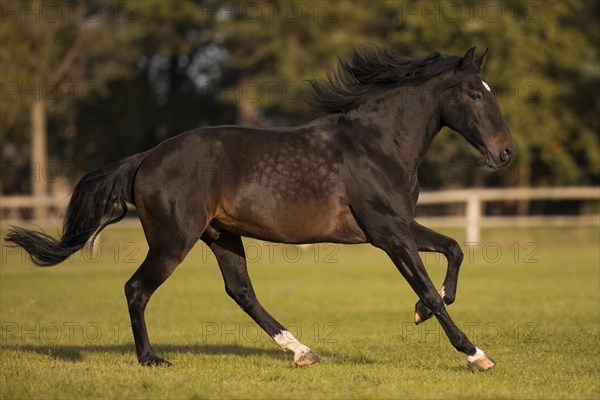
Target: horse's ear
480,61
467,59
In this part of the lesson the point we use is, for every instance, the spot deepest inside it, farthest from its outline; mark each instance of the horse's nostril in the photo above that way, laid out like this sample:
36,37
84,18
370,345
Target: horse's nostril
507,154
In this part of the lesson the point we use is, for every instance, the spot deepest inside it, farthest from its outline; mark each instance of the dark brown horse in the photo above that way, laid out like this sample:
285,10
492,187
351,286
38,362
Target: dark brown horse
349,176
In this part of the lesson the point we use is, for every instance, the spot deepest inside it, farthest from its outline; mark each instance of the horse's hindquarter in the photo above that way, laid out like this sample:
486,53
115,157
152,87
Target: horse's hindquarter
281,185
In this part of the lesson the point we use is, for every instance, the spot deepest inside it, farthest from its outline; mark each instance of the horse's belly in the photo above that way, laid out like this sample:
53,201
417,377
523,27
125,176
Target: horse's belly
291,222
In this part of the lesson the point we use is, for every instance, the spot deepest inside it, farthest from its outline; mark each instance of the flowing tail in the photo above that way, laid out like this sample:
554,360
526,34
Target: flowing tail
90,210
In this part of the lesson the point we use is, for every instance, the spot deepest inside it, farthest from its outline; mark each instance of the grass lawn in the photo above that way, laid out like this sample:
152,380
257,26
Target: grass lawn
530,298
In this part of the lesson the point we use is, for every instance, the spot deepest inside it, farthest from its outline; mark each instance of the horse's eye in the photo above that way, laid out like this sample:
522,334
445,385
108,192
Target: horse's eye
475,95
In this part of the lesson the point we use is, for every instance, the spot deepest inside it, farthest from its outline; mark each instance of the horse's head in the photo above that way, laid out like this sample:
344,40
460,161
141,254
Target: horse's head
470,108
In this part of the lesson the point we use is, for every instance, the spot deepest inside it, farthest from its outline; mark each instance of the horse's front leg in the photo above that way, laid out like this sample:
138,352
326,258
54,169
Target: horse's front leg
387,229
431,241
403,251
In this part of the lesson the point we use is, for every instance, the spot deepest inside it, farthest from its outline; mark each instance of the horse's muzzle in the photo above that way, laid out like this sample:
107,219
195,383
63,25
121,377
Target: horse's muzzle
497,159
507,154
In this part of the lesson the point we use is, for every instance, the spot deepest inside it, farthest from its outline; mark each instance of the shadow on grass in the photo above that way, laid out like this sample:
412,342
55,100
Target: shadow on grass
74,353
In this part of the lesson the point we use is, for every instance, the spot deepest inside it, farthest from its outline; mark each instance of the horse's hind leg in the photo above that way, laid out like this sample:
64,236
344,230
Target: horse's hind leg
155,269
429,240
230,255
170,240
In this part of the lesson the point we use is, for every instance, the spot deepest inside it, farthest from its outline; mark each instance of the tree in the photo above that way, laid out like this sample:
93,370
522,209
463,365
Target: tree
208,62
174,52
52,55
80,65
543,65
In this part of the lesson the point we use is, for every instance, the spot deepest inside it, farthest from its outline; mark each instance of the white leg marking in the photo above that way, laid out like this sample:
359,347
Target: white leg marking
442,292
475,356
287,341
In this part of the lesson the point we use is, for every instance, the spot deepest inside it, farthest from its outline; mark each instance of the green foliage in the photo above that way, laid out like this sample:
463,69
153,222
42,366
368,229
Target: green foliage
50,53
543,64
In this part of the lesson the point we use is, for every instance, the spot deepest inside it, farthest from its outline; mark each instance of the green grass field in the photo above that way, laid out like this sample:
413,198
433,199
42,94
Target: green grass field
529,298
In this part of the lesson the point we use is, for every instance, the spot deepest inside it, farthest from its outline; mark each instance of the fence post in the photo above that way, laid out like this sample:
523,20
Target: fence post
473,218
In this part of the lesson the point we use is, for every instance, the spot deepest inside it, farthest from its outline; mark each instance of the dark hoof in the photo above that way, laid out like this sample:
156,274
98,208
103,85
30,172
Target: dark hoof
422,313
155,361
307,359
483,363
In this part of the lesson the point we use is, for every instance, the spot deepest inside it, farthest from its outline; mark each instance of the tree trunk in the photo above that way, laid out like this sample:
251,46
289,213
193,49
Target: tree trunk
39,186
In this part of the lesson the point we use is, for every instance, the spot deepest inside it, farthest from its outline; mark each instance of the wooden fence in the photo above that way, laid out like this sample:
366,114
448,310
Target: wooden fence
474,199
473,218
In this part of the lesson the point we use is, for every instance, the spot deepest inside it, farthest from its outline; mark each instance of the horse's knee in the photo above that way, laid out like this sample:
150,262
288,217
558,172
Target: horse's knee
454,253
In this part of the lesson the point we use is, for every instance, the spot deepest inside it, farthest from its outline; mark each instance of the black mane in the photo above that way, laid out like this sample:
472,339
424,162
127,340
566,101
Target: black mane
370,70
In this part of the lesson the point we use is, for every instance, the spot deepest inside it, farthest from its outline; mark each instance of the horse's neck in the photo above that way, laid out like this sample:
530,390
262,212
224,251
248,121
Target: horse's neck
407,121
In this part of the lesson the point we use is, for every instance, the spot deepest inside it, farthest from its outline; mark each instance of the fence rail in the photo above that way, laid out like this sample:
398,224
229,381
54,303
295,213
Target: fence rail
475,198
473,218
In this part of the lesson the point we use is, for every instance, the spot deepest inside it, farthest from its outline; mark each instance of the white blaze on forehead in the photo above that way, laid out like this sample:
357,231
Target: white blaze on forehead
485,85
